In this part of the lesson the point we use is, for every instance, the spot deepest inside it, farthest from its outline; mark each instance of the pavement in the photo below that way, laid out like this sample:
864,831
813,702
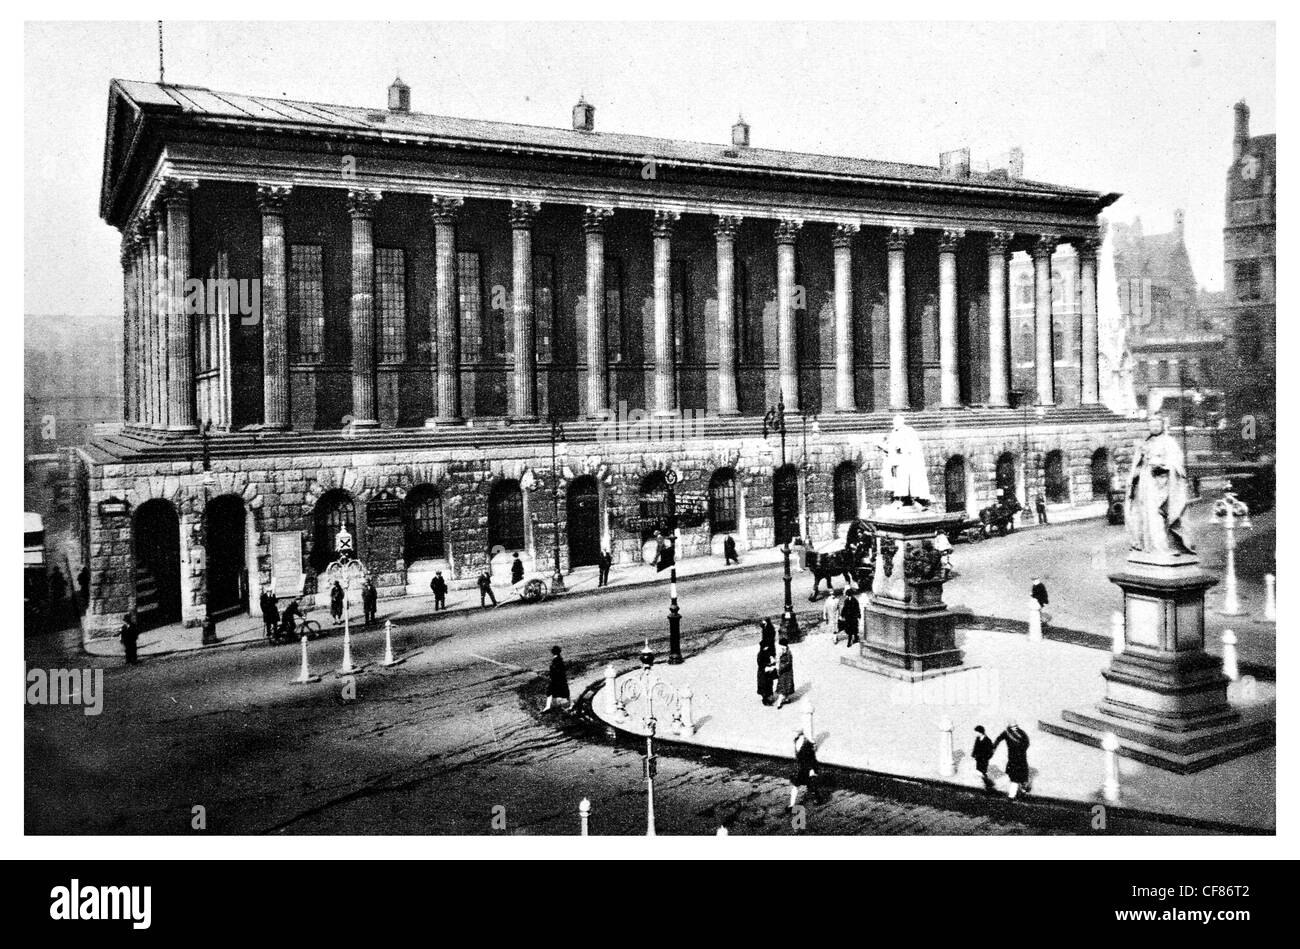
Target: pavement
871,723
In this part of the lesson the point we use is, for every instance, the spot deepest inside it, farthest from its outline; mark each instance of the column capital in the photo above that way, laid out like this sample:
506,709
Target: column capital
726,225
143,226
1087,248
523,214
844,234
665,221
361,203
949,240
272,198
787,230
130,242
898,237
1045,246
446,209
176,191
595,217
1000,242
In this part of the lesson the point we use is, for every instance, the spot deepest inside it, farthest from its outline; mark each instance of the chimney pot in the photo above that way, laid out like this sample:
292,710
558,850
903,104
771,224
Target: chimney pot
399,96
740,133
955,164
1016,162
1241,129
584,116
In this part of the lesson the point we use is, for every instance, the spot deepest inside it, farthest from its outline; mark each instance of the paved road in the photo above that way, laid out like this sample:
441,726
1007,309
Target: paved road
448,742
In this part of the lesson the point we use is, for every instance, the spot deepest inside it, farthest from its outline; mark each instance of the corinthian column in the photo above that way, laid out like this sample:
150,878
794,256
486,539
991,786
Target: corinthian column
446,212
155,307
724,233
180,330
271,201
361,208
593,225
1043,365
897,244
999,321
130,316
1087,251
523,380
845,400
949,380
786,337
665,377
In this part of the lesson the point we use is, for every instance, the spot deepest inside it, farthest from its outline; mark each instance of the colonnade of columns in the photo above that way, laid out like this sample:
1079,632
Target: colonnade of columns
159,337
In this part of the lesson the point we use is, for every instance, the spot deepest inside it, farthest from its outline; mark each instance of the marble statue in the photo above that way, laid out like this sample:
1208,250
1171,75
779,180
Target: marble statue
903,471
1158,495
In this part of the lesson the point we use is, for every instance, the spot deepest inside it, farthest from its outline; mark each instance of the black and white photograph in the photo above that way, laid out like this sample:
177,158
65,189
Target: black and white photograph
835,432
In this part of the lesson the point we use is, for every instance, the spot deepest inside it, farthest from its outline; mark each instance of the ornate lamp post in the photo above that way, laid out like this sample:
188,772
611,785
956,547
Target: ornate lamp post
345,570
557,435
674,611
1226,512
774,421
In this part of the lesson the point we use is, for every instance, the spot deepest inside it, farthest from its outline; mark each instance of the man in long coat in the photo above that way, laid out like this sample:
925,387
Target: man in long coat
1158,494
805,769
850,616
1017,758
557,687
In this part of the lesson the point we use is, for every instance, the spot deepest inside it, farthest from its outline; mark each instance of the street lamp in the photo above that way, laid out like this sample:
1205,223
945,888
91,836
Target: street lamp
774,421
557,434
344,571
674,611
803,465
647,688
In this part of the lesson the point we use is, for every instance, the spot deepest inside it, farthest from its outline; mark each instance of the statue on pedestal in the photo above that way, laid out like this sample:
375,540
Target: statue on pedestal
1158,495
903,471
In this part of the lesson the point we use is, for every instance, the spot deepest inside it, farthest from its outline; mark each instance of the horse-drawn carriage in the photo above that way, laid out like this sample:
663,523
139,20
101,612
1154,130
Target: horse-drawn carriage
854,561
998,518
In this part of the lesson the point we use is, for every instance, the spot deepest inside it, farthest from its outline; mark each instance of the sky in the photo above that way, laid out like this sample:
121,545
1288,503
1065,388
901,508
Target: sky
1139,108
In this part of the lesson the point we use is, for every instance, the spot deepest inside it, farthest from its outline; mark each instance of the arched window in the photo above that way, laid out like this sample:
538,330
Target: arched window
1005,475
845,492
506,516
1101,474
954,484
658,505
723,515
785,504
1056,485
582,521
424,525
334,510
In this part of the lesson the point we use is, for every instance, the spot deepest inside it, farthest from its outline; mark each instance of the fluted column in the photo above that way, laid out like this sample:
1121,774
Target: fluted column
999,321
665,375
593,225
1087,251
1043,357
141,324
786,335
845,398
180,328
361,208
724,234
162,330
897,244
129,317
523,378
271,201
949,379
154,306
446,213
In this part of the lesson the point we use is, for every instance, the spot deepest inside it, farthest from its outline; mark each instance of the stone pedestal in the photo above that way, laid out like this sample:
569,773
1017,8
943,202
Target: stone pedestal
908,631
1166,699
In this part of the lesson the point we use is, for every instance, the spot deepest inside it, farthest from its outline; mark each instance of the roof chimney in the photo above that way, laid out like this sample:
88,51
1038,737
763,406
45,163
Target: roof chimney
955,164
1241,131
1016,162
584,116
1178,224
740,133
399,96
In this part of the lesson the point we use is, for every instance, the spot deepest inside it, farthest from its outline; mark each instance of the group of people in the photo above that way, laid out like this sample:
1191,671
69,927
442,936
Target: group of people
843,614
775,669
1017,767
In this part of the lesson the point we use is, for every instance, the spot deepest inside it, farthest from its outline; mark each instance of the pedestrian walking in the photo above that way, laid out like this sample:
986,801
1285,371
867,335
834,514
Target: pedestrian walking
784,675
336,603
766,672
516,570
1040,505
369,601
805,769
1017,758
557,690
831,612
485,588
1039,592
130,635
439,587
767,635
850,616
729,551
983,754
606,561
270,614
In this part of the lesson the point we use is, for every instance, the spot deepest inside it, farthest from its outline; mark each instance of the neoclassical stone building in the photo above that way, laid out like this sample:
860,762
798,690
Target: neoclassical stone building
338,315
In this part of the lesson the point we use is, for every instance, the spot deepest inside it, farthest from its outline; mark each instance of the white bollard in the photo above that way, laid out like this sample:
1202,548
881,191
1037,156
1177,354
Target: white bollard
686,711
1117,632
1230,656
612,706
1035,621
584,811
388,645
1110,767
809,721
947,766
723,832
304,674
1270,597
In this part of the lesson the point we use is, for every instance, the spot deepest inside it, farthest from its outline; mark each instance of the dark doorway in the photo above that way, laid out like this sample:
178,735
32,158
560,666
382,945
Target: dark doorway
1058,486
223,531
845,492
584,522
424,529
723,515
333,511
1100,474
954,484
1005,477
506,516
658,506
157,541
785,504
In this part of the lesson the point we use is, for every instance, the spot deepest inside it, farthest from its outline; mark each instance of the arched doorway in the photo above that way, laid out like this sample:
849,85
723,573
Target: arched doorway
506,516
425,539
1004,475
1055,483
334,510
1101,475
785,504
227,576
845,492
156,537
658,505
723,511
583,522
954,484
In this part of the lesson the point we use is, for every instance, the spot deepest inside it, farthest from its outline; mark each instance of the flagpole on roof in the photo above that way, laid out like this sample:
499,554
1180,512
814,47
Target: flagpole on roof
161,70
